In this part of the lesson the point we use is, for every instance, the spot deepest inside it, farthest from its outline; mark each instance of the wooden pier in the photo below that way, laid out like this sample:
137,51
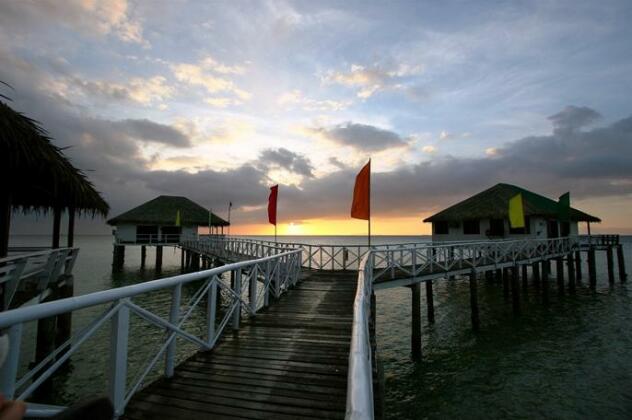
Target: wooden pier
289,361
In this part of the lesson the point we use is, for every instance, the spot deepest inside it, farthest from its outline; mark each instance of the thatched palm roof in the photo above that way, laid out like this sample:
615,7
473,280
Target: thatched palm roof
493,203
162,210
39,176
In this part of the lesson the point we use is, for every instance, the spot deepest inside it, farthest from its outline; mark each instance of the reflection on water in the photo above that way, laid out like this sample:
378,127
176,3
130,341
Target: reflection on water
568,360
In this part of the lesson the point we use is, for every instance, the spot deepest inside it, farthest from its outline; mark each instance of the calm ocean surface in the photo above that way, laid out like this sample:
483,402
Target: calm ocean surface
572,359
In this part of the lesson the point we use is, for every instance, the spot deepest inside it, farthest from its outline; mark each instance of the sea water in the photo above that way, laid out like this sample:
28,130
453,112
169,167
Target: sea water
570,359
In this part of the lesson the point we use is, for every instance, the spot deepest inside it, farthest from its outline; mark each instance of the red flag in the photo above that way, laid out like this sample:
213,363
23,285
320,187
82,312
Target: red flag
361,206
272,205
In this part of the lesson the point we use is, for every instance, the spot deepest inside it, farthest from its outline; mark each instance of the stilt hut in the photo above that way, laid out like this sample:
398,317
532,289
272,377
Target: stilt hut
486,216
36,176
163,220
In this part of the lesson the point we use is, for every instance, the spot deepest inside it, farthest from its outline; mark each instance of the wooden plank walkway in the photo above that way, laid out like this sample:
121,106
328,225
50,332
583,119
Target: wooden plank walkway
288,362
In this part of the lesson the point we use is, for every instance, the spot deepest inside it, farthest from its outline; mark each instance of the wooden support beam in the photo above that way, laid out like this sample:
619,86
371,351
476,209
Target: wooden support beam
158,258
56,227
610,259
64,321
45,341
592,267
430,302
622,274
578,265
474,301
559,271
182,251
525,277
415,337
570,266
70,241
515,290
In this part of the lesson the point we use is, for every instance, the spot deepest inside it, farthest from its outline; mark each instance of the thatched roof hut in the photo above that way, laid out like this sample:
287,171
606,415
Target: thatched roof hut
39,177
162,210
492,204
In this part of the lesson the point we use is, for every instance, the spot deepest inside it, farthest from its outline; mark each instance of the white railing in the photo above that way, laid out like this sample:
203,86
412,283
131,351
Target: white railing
152,239
35,271
360,374
416,262
252,283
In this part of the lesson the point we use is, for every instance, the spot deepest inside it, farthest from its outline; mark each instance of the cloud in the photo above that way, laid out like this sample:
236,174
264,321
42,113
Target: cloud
144,91
429,149
201,74
362,137
295,98
286,159
573,118
147,130
98,18
371,79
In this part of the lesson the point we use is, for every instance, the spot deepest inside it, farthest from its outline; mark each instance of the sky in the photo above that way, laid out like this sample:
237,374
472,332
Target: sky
217,101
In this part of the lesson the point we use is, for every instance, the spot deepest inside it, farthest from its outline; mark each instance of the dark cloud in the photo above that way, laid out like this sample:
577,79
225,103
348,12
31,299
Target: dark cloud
286,159
147,130
362,137
573,118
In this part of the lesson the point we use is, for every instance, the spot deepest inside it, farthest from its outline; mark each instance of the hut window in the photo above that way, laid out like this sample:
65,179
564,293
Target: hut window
441,228
471,227
496,227
565,229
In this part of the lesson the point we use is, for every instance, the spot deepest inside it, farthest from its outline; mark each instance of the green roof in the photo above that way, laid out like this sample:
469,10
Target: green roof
162,210
493,203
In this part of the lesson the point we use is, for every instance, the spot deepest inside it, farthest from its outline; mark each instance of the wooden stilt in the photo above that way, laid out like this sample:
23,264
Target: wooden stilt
416,322
515,290
158,258
545,281
45,341
118,257
430,302
64,321
474,301
489,275
622,274
610,259
505,276
5,222
525,277
70,241
570,266
56,226
578,265
559,271
143,256
535,268
592,268
182,259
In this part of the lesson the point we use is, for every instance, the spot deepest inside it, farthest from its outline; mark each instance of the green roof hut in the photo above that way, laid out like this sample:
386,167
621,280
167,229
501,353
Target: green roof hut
486,216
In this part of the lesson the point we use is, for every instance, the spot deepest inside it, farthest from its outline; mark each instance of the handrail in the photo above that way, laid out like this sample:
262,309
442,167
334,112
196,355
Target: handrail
253,282
412,261
359,377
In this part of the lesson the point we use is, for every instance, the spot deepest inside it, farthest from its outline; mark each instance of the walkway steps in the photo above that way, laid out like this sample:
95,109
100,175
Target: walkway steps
288,362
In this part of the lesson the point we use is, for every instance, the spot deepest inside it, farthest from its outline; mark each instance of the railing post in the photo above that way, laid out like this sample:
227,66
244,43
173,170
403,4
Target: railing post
252,298
211,311
237,290
174,316
9,370
267,284
118,358
277,278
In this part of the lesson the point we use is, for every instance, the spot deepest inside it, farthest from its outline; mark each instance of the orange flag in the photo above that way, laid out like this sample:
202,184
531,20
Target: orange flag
361,206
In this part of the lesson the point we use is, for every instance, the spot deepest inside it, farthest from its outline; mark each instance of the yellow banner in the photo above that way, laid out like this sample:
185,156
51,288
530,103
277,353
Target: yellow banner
516,212
178,218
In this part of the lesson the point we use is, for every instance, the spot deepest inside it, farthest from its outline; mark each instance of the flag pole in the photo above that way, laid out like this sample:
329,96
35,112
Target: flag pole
230,204
369,220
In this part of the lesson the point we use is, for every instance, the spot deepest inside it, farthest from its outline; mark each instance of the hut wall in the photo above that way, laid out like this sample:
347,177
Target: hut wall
537,230
126,233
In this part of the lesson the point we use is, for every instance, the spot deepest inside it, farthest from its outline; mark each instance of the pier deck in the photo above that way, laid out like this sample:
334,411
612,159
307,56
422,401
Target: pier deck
288,362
